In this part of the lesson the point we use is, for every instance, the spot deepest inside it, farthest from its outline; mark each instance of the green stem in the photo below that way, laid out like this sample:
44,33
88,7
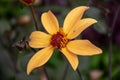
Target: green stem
78,71
110,59
110,32
45,70
65,72
34,17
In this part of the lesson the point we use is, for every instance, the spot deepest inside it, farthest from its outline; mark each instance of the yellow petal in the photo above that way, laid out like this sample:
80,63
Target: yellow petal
83,47
72,58
39,39
80,26
39,59
50,22
72,17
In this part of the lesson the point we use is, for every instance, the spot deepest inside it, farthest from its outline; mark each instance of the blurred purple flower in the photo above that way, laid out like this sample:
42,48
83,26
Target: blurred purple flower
117,39
111,7
57,2
92,35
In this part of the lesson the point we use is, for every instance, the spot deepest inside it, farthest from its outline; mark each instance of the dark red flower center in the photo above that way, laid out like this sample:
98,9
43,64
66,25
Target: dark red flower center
58,40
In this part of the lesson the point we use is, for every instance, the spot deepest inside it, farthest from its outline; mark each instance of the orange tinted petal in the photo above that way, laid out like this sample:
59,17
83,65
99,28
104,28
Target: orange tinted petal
72,58
83,47
39,39
80,26
72,17
39,59
50,22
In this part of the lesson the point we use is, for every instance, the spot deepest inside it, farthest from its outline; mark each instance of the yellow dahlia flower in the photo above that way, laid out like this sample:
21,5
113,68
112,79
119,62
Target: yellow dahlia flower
62,38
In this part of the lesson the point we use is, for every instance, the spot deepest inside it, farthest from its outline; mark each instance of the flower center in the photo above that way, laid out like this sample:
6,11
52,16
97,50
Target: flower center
58,40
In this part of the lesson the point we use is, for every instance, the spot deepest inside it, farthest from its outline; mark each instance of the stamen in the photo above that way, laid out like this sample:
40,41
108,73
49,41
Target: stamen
59,40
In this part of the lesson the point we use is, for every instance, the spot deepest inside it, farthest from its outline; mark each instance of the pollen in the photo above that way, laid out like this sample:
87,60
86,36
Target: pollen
59,40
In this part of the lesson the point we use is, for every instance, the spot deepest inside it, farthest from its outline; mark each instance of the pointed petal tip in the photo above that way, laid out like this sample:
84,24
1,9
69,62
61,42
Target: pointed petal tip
80,26
49,11
39,59
84,7
95,21
72,17
92,20
87,7
100,51
86,48
75,68
72,58
29,70
50,22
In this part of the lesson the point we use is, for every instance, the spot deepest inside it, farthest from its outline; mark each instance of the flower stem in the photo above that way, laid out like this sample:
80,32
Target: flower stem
78,71
46,73
43,73
65,72
110,59
110,32
34,17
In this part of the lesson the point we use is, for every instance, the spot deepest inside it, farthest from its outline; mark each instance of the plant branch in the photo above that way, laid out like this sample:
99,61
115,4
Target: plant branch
34,17
78,71
45,70
65,72
110,32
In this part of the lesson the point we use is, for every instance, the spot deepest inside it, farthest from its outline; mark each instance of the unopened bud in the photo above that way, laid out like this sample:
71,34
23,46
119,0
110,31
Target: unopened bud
27,2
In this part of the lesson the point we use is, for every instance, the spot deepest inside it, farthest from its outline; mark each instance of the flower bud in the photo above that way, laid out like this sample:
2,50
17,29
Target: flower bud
27,2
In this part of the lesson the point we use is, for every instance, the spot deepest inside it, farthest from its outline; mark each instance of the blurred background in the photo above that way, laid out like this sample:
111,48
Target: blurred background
16,24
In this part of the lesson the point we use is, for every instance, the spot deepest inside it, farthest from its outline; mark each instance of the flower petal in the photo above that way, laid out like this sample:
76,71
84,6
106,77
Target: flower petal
83,47
39,39
72,17
72,58
39,59
80,26
50,22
